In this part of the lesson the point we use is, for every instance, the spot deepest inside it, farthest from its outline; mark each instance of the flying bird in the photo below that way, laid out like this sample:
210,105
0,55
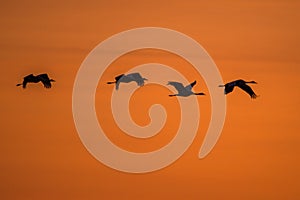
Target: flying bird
183,91
241,84
128,78
35,79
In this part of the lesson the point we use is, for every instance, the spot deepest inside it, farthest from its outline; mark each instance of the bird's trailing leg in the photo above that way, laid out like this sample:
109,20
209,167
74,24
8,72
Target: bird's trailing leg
200,93
19,84
111,82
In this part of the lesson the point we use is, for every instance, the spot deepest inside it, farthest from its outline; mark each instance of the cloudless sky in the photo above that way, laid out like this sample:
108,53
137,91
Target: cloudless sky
257,155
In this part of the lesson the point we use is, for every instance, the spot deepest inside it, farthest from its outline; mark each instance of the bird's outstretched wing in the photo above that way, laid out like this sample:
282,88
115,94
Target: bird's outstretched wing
134,76
178,86
24,84
45,80
117,78
229,87
27,79
137,78
190,86
248,89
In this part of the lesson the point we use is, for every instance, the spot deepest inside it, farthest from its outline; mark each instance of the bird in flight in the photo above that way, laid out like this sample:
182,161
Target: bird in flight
183,91
241,84
128,78
35,79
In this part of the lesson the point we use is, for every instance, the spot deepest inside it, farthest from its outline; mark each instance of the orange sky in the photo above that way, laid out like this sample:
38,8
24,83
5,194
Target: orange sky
42,156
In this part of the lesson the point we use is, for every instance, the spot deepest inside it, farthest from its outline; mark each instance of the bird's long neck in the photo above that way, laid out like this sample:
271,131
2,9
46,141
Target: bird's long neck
221,85
172,95
111,82
253,82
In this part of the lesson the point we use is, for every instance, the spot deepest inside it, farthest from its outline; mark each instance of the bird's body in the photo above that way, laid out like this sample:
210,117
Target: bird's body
183,91
35,79
136,77
241,84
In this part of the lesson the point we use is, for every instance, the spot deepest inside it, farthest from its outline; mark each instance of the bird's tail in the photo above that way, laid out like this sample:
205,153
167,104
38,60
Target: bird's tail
19,84
221,85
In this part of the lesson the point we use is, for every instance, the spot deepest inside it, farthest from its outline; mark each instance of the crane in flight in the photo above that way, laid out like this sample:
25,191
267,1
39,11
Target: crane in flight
44,78
241,84
184,91
136,77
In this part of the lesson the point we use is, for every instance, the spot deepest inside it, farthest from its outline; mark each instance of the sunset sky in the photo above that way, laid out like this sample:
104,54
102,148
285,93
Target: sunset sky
256,157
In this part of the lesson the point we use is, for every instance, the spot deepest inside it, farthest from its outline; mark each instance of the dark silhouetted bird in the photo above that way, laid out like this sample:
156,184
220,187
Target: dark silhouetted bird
35,79
241,84
128,78
183,91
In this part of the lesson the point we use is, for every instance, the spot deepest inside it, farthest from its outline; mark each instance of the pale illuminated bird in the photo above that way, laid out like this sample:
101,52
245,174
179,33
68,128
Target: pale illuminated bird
35,79
183,91
241,84
136,77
